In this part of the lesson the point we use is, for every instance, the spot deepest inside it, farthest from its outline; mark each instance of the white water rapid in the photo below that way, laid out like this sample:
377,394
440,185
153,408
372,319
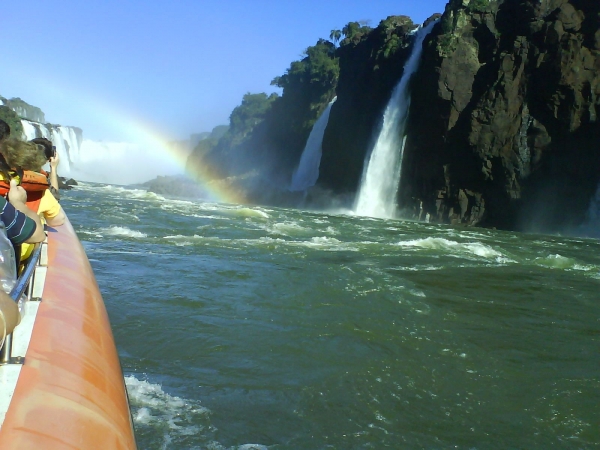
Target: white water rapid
307,172
104,162
381,178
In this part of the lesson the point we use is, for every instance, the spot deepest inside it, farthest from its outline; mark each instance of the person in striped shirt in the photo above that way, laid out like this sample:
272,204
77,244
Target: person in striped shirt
21,223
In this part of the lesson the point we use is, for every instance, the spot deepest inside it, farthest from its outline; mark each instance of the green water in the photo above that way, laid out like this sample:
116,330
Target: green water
252,328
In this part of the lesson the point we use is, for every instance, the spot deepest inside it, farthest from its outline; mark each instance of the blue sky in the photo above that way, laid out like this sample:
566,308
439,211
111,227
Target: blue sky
177,67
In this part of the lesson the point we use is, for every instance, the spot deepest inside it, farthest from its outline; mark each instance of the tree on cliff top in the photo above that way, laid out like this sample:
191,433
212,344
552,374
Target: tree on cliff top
354,31
335,36
318,68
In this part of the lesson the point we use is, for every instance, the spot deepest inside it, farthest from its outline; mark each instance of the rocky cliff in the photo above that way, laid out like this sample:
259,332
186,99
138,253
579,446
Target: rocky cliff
503,128
24,109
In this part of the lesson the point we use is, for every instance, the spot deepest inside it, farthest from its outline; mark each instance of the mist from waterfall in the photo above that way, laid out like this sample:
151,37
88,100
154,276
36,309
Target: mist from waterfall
104,162
381,178
591,226
307,172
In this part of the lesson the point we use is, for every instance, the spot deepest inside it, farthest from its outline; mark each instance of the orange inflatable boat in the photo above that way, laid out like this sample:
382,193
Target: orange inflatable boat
62,386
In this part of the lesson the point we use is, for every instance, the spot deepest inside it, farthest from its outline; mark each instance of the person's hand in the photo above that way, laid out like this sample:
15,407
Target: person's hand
54,161
16,194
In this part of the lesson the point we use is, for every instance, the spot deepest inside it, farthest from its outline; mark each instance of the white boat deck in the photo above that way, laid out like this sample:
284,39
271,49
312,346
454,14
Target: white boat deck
9,373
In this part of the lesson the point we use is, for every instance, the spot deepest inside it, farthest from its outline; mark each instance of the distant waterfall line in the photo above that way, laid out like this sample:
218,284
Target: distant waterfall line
307,172
67,141
381,178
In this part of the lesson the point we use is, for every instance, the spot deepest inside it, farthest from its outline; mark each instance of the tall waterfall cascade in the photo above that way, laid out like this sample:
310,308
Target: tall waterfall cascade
381,177
103,162
307,172
67,141
591,226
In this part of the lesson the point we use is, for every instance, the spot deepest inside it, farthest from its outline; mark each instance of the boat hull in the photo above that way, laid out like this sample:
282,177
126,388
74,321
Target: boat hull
70,393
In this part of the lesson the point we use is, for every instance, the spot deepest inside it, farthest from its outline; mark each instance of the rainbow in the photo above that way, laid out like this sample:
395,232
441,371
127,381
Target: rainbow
145,135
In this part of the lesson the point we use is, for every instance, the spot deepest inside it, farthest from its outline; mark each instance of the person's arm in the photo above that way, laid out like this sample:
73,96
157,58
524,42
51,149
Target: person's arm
10,310
54,161
17,198
57,220
51,210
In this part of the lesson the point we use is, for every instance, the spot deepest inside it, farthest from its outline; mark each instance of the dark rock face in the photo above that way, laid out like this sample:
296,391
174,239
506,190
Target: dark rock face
503,124
175,186
66,184
503,127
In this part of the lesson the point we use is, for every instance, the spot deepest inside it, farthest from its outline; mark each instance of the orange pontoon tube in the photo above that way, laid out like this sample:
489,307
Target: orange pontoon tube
70,392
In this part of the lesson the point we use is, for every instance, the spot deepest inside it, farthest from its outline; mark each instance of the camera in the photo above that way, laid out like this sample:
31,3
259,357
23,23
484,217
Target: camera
50,152
45,145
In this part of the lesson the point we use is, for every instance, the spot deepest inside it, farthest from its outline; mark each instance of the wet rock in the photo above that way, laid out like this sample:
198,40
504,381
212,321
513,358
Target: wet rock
504,111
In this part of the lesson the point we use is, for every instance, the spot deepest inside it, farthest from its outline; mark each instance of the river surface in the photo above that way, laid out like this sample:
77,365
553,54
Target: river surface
246,328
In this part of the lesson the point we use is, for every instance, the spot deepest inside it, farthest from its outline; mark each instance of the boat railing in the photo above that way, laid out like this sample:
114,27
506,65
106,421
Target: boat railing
24,287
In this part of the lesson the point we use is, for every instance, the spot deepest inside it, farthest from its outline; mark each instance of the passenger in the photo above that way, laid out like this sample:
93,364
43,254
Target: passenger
22,224
51,155
27,156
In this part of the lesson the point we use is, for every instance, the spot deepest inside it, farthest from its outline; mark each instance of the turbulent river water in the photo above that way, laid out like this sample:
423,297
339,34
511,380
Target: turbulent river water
262,328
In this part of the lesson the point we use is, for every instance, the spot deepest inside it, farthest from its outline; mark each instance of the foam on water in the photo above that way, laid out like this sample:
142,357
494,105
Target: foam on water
184,241
324,243
121,191
557,261
475,248
250,213
174,416
204,216
122,231
331,230
315,243
91,233
286,228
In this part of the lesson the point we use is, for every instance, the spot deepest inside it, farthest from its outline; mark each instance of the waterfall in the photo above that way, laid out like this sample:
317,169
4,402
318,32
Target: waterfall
381,178
67,141
307,172
591,227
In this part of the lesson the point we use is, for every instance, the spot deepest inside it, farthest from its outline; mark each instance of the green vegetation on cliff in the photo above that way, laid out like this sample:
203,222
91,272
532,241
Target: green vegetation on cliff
13,120
354,31
25,110
319,68
269,131
247,116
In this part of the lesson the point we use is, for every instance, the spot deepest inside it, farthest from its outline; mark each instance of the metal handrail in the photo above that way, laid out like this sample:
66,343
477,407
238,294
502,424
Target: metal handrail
26,274
24,281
